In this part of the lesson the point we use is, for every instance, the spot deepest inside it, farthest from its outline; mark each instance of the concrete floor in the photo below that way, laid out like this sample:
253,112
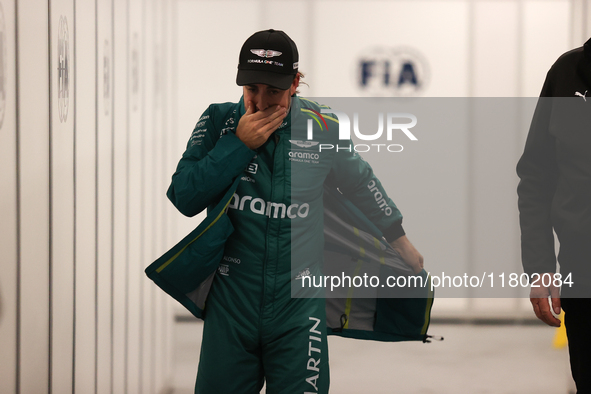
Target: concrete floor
472,359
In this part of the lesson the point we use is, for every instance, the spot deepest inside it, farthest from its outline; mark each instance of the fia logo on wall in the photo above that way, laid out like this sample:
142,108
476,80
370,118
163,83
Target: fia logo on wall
2,66
389,72
107,77
63,69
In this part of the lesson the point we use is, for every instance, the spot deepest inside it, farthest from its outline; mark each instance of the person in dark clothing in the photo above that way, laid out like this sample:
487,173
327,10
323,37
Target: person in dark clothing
555,195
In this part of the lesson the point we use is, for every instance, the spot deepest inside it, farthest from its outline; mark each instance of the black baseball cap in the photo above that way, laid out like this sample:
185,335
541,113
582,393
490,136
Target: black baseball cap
268,57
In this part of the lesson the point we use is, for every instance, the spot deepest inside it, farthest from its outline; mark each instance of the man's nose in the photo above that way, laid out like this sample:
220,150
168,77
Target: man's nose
261,101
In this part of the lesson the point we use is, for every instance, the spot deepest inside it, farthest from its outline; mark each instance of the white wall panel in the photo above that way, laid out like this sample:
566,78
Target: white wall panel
120,208
170,238
495,48
580,15
543,45
156,173
177,139
147,366
85,129
62,193
171,109
586,22
169,165
136,195
158,59
104,117
8,200
33,118
161,131
85,327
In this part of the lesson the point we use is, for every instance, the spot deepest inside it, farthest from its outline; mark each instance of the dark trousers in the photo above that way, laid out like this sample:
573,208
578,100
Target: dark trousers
577,318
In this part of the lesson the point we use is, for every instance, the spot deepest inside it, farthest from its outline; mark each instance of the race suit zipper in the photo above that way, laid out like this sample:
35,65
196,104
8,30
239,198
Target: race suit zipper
268,230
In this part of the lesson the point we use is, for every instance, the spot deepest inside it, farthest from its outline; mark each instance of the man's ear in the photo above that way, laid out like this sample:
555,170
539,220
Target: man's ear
294,84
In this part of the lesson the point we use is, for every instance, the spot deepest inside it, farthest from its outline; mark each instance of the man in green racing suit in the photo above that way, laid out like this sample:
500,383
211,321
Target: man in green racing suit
257,328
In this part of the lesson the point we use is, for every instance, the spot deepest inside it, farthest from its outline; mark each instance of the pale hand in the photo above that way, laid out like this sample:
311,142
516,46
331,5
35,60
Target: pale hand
539,300
254,128
409,253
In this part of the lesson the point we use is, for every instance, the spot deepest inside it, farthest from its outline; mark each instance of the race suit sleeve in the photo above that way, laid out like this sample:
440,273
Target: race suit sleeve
538,172
209,164
354,177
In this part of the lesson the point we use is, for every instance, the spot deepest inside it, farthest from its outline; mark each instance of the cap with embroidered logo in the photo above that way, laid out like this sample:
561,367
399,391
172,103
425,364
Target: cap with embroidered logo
269,57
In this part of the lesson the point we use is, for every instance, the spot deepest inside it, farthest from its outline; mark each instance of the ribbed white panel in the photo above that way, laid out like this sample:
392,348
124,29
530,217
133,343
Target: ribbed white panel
62,101
121,202
104,117
136,195
147,364
8,201
33,118
159,146
86,249
170,110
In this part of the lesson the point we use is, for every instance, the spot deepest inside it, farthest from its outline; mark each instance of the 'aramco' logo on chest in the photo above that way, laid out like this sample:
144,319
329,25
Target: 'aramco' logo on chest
63,69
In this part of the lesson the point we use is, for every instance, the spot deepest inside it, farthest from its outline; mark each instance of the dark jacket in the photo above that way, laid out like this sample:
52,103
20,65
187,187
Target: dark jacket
555,171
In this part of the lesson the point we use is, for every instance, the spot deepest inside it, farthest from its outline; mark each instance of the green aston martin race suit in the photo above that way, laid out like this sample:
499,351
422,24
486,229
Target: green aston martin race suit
256,326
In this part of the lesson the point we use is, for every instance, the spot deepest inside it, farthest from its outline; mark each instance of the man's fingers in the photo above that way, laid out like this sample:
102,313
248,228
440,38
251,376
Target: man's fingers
277,115
418,263
409,253
273,121
556,305
255,127
555,298
414,259
266,113
542,311
536,305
